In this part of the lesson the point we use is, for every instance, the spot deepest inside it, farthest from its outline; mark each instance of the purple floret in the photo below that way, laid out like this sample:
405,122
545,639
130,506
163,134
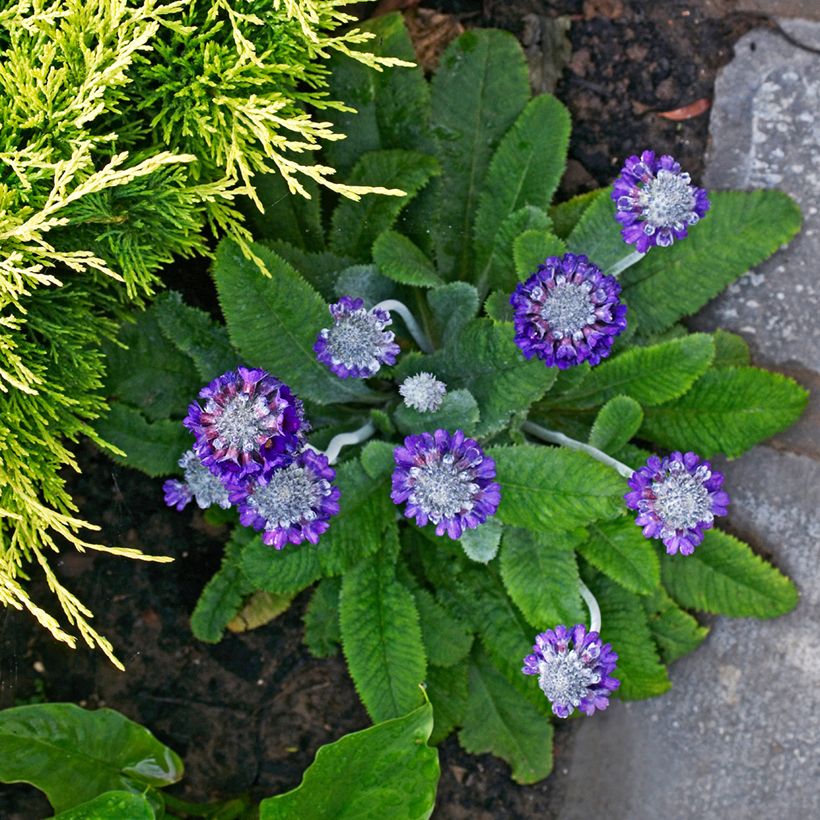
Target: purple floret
250,420
567,312
199,484
290,504
574,669
357,345
677,498
656,201
177,493
445,479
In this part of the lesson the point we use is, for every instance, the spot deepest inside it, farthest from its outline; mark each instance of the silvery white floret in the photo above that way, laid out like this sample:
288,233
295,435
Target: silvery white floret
423,392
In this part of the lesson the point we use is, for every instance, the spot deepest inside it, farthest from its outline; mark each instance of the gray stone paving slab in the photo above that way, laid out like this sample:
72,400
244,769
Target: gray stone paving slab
738,736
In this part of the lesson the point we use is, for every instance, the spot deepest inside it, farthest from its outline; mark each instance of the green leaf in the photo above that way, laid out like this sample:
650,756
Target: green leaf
479,90
273,321
566,215
731,350
377,458
531,248
110,805
541,576
73,754
319,268
551,488
481,544
458,409
356,224
499,271
259,609
453,306
381,636
740,231
447,690
367,283
727,411
446,639
154,447
624,625
497,306
525,170
399,259
223,595
195,334
323,634
725,577
619,549
675,632
500,721
392,106
617,421
291,569
150,374
356,531
650,375
597,235
484,359
384,771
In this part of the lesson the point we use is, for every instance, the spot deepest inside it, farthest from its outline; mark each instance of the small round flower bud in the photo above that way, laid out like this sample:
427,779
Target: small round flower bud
423,392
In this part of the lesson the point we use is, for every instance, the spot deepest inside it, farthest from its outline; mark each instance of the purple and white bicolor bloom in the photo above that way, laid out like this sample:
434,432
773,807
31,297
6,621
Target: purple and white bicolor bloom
445,479
574,669
199,484
249,420
290,504
677,498
656,201
567,312
423,392
357,345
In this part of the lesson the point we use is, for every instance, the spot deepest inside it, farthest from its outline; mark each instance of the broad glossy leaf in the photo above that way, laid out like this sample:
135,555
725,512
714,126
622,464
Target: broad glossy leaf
74,754
384,771
111,805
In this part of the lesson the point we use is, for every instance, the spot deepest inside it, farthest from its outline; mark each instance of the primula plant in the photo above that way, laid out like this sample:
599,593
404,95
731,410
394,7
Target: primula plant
470,419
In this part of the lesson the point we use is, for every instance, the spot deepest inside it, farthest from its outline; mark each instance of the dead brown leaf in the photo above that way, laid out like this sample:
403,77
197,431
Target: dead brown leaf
431,33
687,112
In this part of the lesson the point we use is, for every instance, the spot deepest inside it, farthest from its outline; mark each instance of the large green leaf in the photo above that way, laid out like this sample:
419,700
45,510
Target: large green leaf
399,259
392,107
452,306
356,224
498,719
274,320
541,576
597,235
356,531
731,350
447,690
290,569
650,375
111,805
554,488
624,625
319,268
458,409
740,231
525,170
619,549
480,88
446,639
725,577
195,334
385,771
675,632
727,411
323,633
381,635
531,249
73,754
566,215
617,421
223,594
154,447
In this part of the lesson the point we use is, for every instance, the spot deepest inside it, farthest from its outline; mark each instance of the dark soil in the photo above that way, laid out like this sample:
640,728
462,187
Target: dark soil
250,712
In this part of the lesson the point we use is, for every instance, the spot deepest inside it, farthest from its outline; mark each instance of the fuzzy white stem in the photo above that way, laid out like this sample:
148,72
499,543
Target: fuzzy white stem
344,439
566,441
619,267
412,325
592,606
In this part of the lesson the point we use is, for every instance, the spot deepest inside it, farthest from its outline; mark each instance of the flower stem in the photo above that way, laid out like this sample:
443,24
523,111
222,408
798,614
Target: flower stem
566,441
619,267
592,606
344,439
412,325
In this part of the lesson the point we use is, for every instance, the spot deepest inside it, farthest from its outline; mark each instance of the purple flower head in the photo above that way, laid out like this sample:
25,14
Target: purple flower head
573,669
423,392
292,503
357,345
445,479
199,483
656,201
567,312
250,419
677,498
